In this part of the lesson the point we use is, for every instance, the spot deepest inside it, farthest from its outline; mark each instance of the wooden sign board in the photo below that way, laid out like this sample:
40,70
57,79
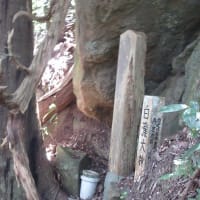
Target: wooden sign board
149,133
129,93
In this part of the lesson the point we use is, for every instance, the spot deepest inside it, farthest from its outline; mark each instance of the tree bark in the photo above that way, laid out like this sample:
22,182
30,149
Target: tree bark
34,176
22,44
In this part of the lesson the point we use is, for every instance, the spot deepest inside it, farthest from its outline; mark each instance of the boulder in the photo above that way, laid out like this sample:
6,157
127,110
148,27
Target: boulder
169,26
69,164
182,86
192,76
172,89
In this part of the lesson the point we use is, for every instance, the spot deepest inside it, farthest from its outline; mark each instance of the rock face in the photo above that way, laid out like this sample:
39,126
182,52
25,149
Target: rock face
70,164
183,85
169,25
172,88
192,75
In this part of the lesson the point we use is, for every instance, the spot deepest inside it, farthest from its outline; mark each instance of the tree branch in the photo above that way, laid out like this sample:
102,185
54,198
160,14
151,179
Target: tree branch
33,17
22,96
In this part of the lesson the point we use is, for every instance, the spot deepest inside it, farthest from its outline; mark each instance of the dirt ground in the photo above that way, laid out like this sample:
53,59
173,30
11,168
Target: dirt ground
150,187
78,132
81,133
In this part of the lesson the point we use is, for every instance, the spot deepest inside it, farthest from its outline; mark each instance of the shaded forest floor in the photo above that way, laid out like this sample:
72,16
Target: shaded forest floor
80,133
92,137
76,131
150,187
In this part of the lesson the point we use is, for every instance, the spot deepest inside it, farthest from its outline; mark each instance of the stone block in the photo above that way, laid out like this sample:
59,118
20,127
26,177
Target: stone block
70,164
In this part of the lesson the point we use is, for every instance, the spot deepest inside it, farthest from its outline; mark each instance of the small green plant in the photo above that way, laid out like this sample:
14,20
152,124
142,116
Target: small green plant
123,195
51,117
190,115
189,162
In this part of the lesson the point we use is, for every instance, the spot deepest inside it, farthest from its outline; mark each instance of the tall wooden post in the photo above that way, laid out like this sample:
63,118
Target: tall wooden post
129,93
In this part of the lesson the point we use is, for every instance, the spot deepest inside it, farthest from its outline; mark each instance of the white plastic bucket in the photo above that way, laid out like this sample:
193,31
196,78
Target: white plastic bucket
89,181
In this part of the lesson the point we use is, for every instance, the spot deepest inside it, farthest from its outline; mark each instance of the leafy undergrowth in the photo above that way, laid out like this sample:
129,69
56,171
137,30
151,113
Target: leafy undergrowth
150,186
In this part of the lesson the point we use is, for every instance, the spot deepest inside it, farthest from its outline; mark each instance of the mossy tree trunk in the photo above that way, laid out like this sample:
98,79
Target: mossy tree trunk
23,45
22,162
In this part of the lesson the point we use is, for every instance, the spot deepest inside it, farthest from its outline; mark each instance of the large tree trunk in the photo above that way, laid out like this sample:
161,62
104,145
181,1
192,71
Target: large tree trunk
27,158
23,45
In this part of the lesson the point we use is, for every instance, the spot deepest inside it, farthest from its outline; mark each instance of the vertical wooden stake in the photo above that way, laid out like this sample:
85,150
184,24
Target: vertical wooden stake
129,94
150,132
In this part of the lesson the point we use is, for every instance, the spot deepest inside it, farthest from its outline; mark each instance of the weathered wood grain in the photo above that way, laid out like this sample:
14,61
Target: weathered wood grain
129,94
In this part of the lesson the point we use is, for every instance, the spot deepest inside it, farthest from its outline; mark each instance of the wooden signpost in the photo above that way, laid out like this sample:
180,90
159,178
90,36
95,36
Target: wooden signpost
129,94
149,133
